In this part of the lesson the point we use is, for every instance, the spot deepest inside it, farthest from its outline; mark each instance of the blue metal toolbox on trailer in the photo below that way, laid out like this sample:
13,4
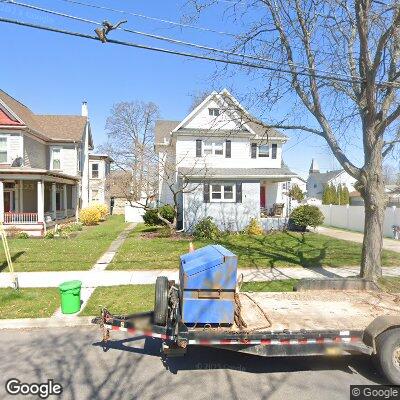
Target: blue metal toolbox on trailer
207,284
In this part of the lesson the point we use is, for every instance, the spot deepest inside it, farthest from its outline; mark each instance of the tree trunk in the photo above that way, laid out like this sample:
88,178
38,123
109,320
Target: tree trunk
373,193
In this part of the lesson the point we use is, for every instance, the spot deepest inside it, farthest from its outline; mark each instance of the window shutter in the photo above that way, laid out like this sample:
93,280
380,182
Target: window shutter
228,149
254,150
274,150
206,192
238,192
198,148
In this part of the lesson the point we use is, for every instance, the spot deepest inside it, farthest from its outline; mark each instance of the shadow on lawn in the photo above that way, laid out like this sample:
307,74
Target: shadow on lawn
279,249
15,257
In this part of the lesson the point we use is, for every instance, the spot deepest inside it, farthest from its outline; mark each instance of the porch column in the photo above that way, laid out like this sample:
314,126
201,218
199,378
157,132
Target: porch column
1,201
21,196
65,200
54,200
75,200
40,201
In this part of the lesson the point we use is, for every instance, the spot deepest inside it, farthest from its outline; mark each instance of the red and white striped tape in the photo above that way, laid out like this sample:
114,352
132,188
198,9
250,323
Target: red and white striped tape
137,332
342,338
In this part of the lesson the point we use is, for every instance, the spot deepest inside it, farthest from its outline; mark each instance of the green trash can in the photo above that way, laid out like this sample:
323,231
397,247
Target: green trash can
70,297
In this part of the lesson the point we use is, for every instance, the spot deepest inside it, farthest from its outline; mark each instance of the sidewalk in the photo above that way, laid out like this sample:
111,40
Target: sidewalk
388,244
93,278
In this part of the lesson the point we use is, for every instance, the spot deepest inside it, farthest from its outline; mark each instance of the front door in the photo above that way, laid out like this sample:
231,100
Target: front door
262,196
8,201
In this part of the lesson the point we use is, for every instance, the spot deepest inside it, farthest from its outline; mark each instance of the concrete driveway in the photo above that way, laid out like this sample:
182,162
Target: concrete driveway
132,368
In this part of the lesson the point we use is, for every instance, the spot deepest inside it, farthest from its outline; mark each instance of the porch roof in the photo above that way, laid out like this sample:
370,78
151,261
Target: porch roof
235,173
33,173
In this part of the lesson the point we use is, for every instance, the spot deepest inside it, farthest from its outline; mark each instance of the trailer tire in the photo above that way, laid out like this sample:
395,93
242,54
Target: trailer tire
388,352
161,301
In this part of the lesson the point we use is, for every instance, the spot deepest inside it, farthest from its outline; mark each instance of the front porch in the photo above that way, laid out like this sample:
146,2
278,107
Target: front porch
274,202
31,205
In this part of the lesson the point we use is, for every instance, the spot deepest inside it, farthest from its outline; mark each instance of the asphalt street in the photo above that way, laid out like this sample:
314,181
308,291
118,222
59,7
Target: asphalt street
132,368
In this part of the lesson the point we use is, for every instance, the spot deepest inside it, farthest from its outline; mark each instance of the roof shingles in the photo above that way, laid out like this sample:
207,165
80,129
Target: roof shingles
49,127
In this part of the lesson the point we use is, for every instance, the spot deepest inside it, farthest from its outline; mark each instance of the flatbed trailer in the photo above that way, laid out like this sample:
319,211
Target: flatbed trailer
278,324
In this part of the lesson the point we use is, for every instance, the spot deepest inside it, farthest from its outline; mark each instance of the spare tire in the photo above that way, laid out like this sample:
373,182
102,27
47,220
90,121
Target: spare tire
388,352
161,301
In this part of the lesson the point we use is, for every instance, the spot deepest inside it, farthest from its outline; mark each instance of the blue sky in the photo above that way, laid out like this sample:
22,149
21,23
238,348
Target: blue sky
53,73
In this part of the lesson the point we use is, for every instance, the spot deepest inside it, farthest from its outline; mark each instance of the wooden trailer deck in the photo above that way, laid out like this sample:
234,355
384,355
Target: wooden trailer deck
315,310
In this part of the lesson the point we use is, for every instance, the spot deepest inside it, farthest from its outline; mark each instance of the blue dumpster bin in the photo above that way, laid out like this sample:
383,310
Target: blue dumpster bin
207,283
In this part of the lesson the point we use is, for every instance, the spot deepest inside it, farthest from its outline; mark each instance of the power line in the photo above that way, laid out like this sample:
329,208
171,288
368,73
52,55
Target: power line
317,72
183,25
174,52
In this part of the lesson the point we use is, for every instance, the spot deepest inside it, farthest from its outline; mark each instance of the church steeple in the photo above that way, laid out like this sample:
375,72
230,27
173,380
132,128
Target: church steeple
314,166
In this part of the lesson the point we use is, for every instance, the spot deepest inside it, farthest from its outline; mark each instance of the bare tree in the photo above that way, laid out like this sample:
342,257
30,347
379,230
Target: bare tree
130,131
341,60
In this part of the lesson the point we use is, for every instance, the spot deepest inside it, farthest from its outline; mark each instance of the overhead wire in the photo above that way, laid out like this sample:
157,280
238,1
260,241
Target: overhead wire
166,21
317,72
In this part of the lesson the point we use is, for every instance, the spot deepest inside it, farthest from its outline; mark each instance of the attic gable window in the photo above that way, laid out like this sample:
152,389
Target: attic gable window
213,112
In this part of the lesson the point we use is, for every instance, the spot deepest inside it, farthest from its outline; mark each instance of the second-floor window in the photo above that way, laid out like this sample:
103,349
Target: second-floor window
79,159
213,148
3,150
56,158
263,150
260,150
95,170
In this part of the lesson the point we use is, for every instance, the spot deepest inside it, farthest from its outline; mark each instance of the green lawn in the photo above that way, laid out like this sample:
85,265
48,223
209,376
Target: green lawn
124,299
78,253
390,284
280,249
28,303
129,299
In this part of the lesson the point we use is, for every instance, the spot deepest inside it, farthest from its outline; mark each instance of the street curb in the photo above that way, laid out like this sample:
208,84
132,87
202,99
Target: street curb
26,323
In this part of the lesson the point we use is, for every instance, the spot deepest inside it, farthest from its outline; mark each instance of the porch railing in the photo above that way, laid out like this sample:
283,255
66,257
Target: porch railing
59,214
20,218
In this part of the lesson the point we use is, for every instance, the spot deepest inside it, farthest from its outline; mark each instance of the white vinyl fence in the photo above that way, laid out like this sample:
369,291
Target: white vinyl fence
352,217
133,214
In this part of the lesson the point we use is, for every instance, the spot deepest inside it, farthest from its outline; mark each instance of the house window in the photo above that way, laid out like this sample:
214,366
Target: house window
79,159
95,170
3,150
213,148
263,150
213,111
56,158
207,148
219,149
222,192
95,195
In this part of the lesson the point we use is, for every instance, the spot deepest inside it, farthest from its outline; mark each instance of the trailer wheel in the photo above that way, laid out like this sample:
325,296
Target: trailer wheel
161,301
388,352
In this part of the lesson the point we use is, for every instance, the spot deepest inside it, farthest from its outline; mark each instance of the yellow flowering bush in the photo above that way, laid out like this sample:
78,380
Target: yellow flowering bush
102,208
90,216
254,228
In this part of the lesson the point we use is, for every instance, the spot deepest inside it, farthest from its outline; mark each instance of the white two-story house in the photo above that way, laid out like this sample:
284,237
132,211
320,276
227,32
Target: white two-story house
99,170
221,162
44,166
